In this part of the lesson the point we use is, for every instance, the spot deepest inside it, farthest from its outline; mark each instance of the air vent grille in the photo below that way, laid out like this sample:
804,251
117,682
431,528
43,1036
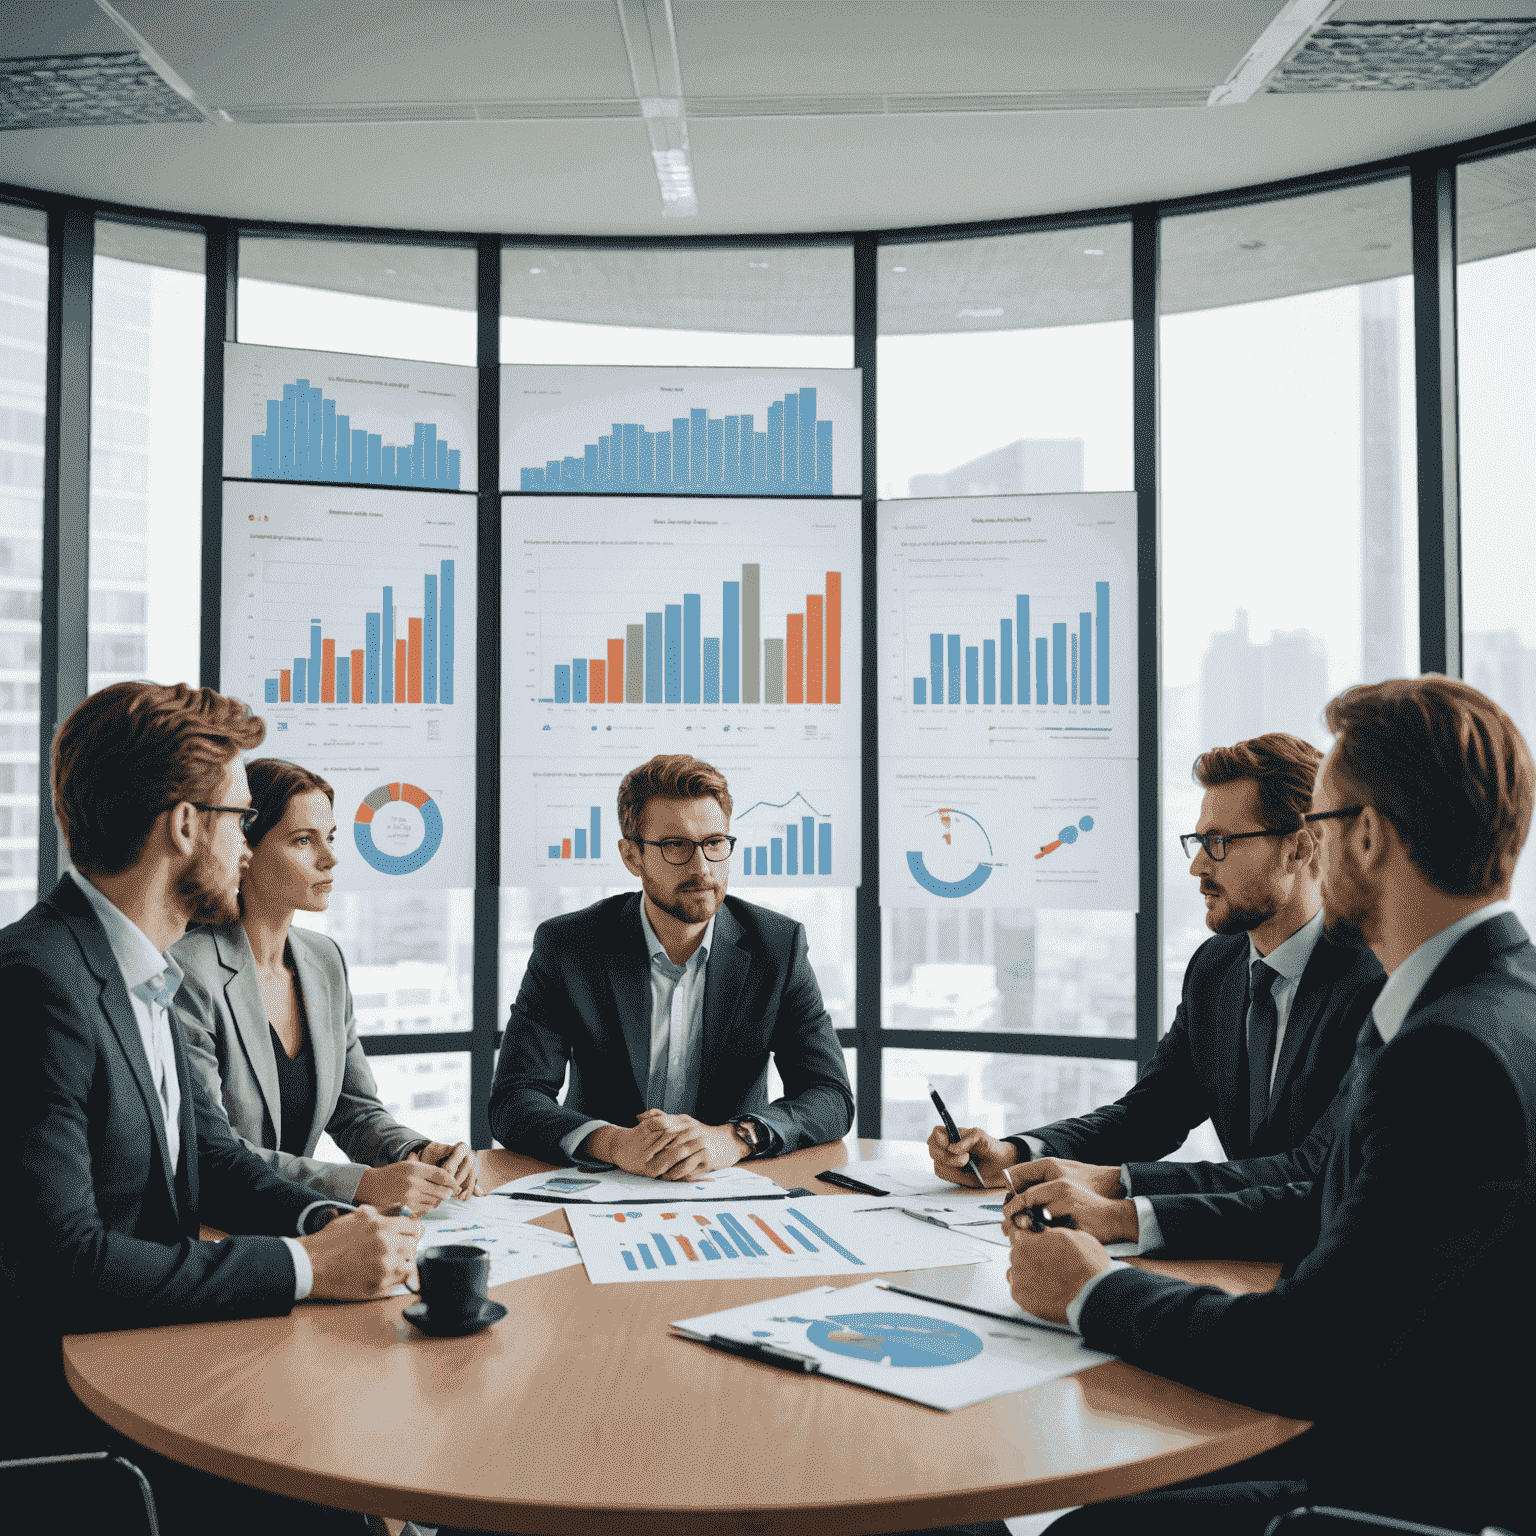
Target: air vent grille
77,90
1404,55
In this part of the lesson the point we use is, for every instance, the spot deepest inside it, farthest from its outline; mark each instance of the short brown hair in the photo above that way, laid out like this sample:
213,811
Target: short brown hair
1447,767
129,752
671,776
273,784
1283,766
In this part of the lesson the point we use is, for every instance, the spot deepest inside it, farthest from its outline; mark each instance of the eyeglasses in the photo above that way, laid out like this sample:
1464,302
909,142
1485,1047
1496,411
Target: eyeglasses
1348,810
679,850
248,814
1215,843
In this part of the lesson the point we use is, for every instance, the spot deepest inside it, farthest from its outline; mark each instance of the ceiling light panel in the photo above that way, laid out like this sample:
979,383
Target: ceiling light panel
86,90
1291,27
1404,55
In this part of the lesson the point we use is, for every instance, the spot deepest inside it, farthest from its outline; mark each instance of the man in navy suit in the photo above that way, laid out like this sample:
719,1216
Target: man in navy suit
120,1156
1403,1327
667,1005
1265,1030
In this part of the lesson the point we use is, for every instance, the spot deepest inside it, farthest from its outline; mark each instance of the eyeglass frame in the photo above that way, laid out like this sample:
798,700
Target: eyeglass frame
1348,810
248,814
1205,839
698,847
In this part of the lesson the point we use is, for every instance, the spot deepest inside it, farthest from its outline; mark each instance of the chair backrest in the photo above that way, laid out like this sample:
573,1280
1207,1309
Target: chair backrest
1321,1520
85,1491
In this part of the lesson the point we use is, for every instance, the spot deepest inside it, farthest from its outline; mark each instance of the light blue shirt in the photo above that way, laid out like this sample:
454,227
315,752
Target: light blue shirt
677,1024
152,980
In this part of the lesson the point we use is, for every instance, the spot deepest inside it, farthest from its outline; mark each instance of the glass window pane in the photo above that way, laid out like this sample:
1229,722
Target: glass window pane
778,307
1040,972
1005,364
146,455
1289,558
1001,1094
1496,346
429,1093
413,301
23,373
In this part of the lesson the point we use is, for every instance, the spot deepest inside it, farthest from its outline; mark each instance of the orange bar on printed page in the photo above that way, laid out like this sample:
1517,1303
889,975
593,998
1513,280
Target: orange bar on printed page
794,659
327,671
833,652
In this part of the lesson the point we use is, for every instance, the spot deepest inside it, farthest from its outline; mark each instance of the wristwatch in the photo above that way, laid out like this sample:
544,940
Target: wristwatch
750,1131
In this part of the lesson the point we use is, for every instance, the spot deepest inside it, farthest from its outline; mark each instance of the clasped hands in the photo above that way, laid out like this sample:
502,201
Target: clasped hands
423,1180
663,1146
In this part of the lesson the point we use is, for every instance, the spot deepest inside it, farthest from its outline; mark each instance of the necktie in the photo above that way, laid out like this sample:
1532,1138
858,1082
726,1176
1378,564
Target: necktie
1263,1025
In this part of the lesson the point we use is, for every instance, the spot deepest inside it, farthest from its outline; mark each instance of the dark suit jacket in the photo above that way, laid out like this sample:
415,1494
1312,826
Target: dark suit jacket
1406,1331
98,1232
586,1000
1200,1073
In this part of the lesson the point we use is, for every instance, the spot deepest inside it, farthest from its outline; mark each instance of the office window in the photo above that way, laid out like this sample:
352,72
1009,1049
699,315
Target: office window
23,372
1496,344
1289,558
736,307
146,455
415,301
428,1092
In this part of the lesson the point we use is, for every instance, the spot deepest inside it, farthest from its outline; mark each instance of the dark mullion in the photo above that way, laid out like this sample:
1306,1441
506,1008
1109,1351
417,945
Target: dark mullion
866,324
486,985
1433,192
420,1045
220,298
66,575
1013,1043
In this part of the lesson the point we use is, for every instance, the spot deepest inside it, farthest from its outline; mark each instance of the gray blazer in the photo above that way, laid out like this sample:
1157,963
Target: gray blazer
229,1049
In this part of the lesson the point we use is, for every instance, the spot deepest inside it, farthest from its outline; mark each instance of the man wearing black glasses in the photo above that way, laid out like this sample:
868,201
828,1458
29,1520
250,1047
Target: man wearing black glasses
666,1006
1265,1029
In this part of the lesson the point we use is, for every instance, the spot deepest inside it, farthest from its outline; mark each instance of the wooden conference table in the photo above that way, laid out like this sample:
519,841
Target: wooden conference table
580,1411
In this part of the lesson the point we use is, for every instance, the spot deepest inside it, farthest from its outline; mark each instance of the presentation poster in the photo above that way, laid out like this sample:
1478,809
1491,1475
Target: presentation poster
681,431
349,626
730,632
291,414
1036,832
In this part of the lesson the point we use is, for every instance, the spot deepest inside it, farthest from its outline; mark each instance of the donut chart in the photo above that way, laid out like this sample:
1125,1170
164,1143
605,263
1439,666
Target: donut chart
431,836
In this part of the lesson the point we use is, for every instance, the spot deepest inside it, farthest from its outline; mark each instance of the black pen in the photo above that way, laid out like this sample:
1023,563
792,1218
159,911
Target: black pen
1039,1216
954,1134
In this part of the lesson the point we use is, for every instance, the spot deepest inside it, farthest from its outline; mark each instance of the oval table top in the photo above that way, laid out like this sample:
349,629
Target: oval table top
582,1409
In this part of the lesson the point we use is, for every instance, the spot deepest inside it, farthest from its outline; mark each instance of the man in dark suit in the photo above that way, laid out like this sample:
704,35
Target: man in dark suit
121,1157
1422,1208
1266,1027
666,1005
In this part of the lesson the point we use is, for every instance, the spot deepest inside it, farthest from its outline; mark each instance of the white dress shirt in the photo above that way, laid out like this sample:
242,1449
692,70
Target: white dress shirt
152,979
677,1023
1392,1006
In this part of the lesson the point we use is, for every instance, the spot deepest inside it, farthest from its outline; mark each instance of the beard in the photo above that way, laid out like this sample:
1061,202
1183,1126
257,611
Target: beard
692,906
1239,919
204,893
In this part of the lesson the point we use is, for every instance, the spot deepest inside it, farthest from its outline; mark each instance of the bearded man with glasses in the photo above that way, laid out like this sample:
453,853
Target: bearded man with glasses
666,1005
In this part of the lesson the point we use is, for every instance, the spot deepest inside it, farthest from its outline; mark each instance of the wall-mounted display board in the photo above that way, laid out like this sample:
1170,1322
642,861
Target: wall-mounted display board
336,417
729,632
681,431
349,626
1008,718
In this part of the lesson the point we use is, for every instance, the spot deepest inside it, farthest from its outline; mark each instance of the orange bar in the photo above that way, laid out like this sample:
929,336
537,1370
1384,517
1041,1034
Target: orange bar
399,671
565,847
834,641
414,696
813,607
794,659
773,1237
285,685
357,677
327,671
597,684
615,671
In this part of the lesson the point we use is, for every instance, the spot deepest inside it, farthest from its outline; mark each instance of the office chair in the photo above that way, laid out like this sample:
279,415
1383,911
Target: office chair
84,1491
1320,1520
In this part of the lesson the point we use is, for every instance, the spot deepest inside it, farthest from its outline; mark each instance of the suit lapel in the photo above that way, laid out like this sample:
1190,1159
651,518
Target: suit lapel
725,977
1312,992
632,992
1471,953
242,996
315,990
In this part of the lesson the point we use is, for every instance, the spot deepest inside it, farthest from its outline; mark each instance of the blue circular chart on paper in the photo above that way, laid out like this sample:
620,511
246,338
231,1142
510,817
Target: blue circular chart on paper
389,799
955,858
900,1337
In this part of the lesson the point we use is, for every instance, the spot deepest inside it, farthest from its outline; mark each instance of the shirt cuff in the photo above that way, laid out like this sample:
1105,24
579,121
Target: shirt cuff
569,1144
1035,1145
303,1270
1149,1232
1125,1180
1075,1306
412,1146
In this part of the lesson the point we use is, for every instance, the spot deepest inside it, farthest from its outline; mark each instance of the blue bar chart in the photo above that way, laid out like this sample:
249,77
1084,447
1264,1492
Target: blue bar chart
789,837
582,842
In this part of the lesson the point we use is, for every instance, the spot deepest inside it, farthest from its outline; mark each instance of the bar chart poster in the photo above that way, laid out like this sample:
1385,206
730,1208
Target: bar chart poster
1008,626
680,431
1045,832
349,626
337,417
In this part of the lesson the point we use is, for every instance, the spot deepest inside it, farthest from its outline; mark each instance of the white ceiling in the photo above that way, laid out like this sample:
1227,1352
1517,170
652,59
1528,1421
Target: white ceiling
754,175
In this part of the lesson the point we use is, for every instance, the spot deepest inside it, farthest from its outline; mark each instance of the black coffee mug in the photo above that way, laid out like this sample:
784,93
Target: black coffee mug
453,1280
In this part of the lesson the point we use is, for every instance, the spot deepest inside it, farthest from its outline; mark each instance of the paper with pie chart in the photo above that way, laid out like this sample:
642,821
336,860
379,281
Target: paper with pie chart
944,1357
1049,833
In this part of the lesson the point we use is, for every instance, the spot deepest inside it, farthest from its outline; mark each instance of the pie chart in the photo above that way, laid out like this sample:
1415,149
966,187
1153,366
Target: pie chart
954,856
398,828
900,1338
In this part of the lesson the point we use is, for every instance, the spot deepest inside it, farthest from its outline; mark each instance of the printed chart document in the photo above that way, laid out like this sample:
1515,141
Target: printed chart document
570,1186
981,1219
760,1240
906,1176
921,1350
517,1250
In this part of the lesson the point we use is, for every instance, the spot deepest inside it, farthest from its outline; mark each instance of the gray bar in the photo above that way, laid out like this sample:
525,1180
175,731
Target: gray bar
773,671
751,636
634,663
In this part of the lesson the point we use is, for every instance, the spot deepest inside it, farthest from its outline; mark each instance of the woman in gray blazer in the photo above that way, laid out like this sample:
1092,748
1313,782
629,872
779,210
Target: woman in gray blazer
266,1012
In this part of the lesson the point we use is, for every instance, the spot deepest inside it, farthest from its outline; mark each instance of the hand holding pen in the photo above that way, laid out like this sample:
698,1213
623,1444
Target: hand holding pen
953,1132
1038,1217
